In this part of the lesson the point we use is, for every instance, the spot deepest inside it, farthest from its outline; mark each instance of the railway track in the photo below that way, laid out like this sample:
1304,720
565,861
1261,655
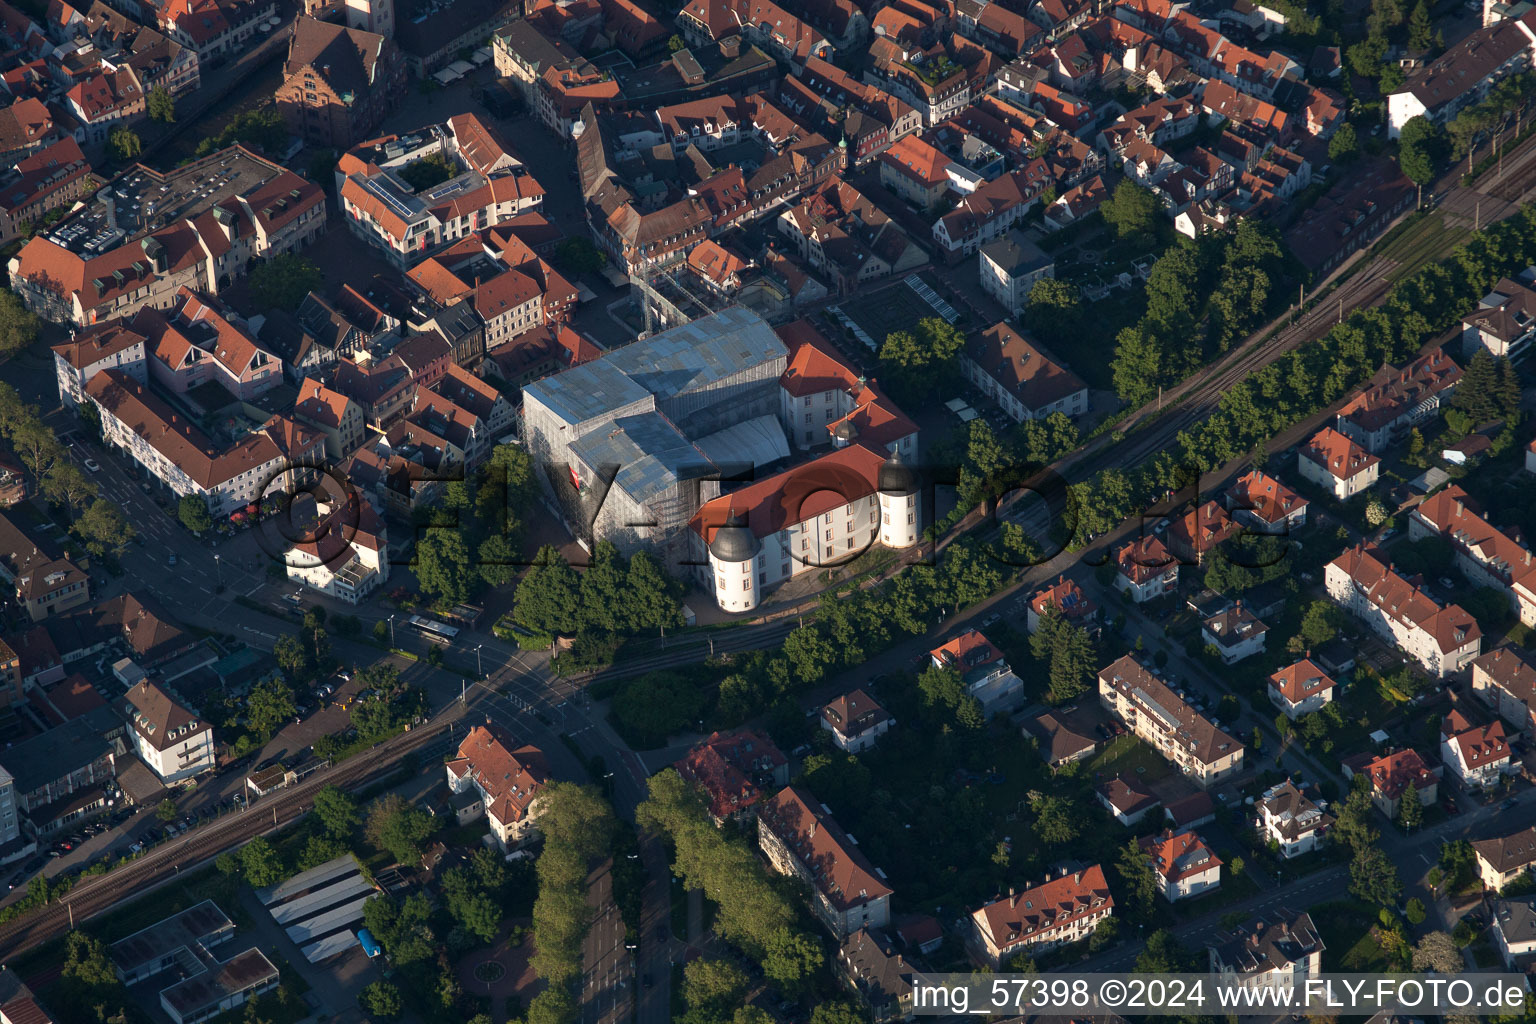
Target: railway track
94,895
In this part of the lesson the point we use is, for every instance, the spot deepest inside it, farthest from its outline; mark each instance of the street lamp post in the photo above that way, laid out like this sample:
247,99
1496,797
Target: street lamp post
479,670
391,630
218,569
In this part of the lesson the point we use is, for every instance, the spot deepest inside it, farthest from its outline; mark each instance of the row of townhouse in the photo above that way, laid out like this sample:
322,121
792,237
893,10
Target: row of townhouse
1487,556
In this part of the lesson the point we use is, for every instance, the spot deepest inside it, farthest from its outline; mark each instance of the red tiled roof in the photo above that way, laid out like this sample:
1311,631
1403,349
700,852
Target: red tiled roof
511,778
837,867
1393,773
1178,856
1299,681
1043,908
1338,454
795,495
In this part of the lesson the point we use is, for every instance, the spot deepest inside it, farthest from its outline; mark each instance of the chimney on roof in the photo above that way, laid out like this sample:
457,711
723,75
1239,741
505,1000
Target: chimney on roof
1013,898
1461,506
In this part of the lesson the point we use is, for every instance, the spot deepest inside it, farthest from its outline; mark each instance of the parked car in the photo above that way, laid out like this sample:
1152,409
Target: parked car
1509,804
170,559
92,465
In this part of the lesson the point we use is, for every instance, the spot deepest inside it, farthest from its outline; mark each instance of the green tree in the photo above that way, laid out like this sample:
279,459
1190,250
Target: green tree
1137,366
1438,952
1410,813
292,656
161,105
1163,954
192,510
1373,877
67,487
398,828
676,43
1421,30
165,810
269,705
336,810
1345,144
1507,389
837,1012
1131,210
1054,310
442,566
381,999
1364,58
1136,873
18,324
712,988
283,281
1320,624
124,144
1420,148
261,863
497,561
603,591
655,706
580,256
103,529
791,959
654,600
1476,393
547,596
1054,822
1070,652
1415,912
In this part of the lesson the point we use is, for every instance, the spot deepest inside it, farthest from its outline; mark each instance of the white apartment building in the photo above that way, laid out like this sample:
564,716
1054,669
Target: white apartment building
1487,556
1502,859
1300,689
502,781
186,461
800,837
166,736
1182,865
1290,820
346,554
1277,954
1146,569
1160,717
1478,755
113,345
1443,640
1059,910
1334,461
1507,682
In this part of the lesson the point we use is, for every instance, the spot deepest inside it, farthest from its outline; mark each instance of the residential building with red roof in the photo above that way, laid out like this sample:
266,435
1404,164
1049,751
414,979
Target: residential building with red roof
915,170
1127,799
871,119
26,126
116,344
1200,531
820,389
763,23
197,340
215,29
1235,632
1182,865
1020,376
1486,555
935,82
846,238
1288,818
1067,597
1504,320
736,770
491,187
983,670
1178,732
1076,203
1332,460
1442,639
1506,680
333,414
1261,501
1145,569
344,553
104,101
167,736
505,782
990,210
47,179
252,208
183,458
1301,688
1397,773
1060,910
801,838
856,721
1479,755
1383,413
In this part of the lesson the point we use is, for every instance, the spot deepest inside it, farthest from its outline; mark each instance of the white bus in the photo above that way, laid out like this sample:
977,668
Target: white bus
434,631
